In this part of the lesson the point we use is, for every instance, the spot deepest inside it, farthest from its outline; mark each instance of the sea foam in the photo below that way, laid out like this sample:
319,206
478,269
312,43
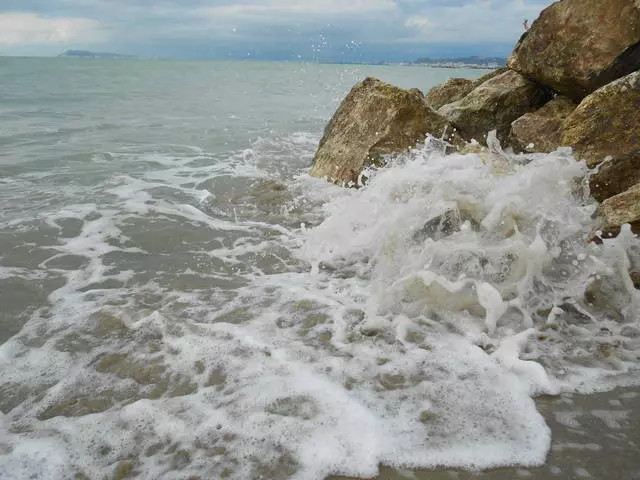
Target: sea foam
342,330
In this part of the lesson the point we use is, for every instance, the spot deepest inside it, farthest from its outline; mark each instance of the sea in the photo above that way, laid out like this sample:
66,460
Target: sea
180,299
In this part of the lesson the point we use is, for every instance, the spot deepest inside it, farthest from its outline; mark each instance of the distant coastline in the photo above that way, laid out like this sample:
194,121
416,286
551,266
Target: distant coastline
464,62
88,54
457,65
483,63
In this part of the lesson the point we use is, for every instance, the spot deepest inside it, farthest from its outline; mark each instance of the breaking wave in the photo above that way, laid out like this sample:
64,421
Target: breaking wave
232,318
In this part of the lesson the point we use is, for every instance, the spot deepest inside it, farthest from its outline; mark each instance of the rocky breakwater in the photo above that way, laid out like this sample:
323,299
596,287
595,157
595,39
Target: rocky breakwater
572,80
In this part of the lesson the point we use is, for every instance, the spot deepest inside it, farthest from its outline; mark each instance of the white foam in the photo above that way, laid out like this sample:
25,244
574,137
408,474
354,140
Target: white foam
368,345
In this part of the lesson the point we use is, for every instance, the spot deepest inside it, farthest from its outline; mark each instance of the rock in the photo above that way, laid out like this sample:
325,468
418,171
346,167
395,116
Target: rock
606,295
630,331
450,91
375,119
570,314
494,105
577,46
618,210
541,131
607,122
455,89
489,76
445,225
268,195
123,470
80,406
615,176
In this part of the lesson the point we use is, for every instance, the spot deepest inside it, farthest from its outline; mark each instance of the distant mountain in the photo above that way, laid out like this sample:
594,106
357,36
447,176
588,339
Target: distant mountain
491,62
87,54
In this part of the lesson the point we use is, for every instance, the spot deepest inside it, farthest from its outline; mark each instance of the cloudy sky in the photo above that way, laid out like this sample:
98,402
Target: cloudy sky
325,30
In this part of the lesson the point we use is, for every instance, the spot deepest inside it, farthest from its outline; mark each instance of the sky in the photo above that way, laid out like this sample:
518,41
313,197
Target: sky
308,30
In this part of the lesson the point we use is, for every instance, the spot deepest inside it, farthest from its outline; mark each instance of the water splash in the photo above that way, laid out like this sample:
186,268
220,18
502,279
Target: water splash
367,335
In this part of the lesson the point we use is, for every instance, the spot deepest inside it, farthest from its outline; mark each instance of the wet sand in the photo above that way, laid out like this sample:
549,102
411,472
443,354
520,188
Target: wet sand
594,437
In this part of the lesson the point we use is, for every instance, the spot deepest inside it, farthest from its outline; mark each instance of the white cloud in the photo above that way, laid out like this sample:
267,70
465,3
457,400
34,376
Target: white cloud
194,28
419,22
475,21
296,7
31,29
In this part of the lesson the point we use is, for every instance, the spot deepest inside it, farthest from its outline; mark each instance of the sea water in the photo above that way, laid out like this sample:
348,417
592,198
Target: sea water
180,299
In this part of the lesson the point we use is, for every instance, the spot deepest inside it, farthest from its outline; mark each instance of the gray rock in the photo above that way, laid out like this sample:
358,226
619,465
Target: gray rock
444,225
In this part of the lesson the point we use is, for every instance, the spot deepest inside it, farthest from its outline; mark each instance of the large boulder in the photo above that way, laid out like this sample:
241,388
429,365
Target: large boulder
494,104
375,119
450,91
618,210
607,122
577,46
541,131
488,76
615,176
455,89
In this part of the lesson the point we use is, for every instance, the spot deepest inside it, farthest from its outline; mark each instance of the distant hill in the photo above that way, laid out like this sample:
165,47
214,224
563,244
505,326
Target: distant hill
490,62
87,54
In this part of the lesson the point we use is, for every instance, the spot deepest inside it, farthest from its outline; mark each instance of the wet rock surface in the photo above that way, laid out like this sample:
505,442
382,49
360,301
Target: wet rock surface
445,225
618,210
541,131
614,176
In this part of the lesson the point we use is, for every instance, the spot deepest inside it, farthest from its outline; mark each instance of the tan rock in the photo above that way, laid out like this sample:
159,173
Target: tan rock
615,176
577,46
494,105
618,210
450,91
494,73
375,119
607,122
541,131
456,89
